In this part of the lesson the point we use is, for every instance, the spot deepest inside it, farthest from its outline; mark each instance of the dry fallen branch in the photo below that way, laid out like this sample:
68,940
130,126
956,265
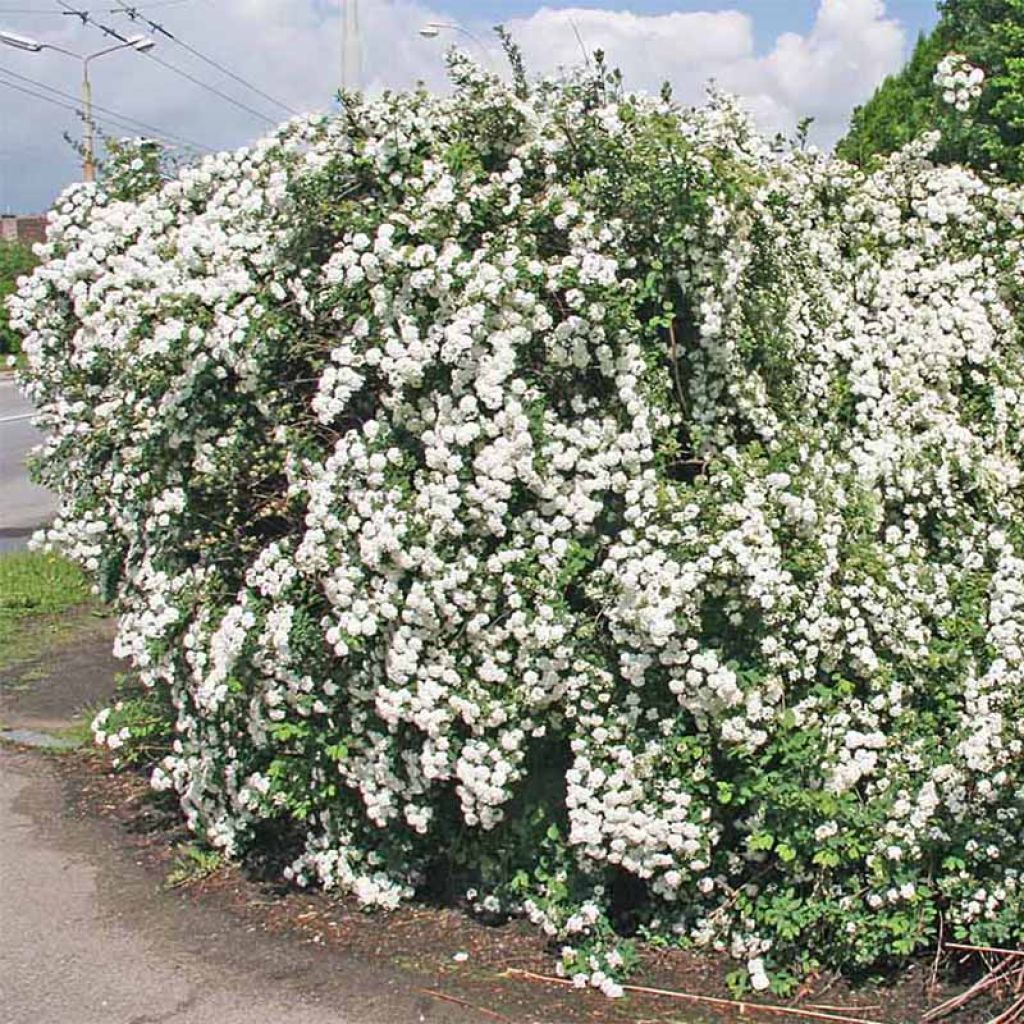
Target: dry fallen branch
466,1003
1013,1014
985,949
865,1008
945,1008
1009,969
740,1006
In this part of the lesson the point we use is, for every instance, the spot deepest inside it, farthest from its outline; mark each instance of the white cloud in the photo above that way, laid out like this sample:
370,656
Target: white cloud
850,49
293,52
824,74
647,48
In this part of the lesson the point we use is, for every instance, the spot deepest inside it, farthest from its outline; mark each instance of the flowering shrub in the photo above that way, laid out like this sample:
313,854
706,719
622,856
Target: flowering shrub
568,500
959,82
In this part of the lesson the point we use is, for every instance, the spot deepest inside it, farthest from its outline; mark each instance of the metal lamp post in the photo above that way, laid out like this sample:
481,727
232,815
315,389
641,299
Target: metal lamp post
351,46
432,29
140,43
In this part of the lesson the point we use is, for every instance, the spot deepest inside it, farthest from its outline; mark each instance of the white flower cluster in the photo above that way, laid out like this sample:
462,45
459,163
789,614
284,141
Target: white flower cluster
959,81
548,462
112,740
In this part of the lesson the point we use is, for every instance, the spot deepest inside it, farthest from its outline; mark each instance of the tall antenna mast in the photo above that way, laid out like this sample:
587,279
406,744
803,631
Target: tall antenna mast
351,46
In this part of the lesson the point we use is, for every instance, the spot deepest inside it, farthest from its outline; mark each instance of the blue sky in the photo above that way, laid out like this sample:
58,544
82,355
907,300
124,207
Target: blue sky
785,59
771,17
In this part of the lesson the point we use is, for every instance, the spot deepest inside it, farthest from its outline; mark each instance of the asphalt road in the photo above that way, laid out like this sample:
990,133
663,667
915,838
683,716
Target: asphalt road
24,506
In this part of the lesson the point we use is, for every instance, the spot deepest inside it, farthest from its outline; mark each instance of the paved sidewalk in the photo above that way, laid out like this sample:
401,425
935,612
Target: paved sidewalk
86,937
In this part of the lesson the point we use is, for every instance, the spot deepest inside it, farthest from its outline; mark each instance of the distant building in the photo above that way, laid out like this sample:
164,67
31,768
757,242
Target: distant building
28,228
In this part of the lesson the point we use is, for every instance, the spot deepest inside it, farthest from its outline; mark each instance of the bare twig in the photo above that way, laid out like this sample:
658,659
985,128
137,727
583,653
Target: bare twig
734,1004
934,979
829,984
999,973
1012,1014
464,1002
985,949
867,1008
674,356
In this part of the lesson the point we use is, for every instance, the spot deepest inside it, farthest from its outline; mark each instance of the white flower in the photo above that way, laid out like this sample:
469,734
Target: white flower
961,82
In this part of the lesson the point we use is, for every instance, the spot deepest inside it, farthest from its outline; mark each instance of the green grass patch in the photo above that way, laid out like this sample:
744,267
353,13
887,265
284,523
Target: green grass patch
79,732
192,864
34,585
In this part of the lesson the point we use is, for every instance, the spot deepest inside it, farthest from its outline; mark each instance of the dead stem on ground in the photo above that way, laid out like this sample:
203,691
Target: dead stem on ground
1005,973
741,1007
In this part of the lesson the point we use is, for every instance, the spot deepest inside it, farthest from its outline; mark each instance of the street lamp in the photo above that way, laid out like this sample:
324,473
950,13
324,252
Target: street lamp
20,42
140,43
432,29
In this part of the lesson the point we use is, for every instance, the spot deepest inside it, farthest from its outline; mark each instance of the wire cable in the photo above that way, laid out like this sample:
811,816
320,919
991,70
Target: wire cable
40,96
66,106
127,119
103,120
156,3
135,14
87,19
211,88
93,10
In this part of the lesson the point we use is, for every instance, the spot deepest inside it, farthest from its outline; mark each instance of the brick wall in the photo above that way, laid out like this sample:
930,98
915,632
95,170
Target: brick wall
27,229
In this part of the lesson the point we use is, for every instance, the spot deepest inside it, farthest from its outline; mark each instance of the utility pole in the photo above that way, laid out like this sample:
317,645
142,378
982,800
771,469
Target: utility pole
88,149
351,46
140,43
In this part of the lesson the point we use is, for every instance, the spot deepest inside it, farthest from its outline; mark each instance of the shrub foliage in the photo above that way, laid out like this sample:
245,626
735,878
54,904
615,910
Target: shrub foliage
558,499
15,260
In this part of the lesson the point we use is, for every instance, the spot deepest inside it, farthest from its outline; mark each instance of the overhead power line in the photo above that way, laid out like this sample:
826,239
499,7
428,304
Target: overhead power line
90,10
132,123
136,14
41,96
59,103
211,89
154,5
87,19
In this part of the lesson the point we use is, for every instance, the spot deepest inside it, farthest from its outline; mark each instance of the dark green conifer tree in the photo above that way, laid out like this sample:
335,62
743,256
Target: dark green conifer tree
990,137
